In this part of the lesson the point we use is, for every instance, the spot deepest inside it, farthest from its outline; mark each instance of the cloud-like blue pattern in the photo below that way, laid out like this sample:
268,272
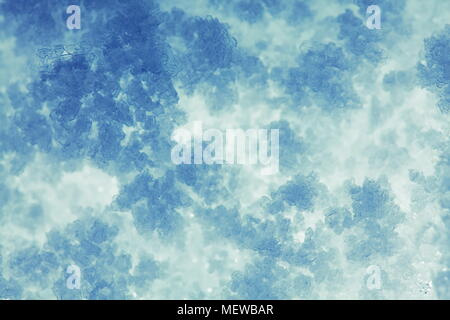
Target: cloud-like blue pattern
86,177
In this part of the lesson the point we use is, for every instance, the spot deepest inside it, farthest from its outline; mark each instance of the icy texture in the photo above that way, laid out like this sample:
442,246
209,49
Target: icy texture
86,178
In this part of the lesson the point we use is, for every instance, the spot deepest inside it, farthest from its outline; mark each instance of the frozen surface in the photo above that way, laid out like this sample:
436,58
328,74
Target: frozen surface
86,178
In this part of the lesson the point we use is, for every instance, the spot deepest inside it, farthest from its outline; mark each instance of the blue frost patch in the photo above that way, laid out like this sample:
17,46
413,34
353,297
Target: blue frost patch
435,71
323,77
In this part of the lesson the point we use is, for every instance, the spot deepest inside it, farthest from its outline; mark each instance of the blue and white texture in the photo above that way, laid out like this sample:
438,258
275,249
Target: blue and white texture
92,207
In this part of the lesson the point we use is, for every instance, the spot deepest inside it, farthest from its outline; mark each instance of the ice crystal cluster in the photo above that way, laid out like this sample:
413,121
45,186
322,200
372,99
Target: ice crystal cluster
86,178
